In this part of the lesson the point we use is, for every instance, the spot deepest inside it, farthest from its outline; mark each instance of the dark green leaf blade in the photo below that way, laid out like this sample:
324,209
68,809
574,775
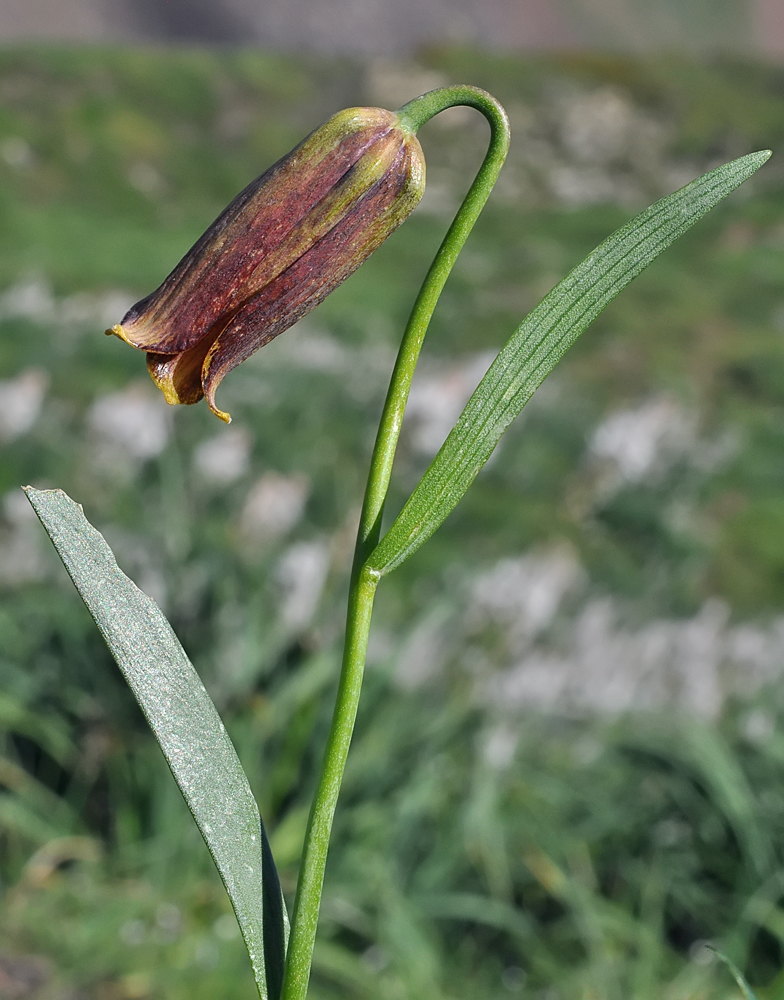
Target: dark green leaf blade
185,723
537,346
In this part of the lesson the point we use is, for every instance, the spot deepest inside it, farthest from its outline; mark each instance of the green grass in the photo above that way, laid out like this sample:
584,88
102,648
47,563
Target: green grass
589,860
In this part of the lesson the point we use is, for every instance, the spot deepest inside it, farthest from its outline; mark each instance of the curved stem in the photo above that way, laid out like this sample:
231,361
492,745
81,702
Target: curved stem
412,116
363,581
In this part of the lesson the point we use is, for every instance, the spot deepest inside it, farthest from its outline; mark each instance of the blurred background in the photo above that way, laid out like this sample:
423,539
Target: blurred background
374,26
568,769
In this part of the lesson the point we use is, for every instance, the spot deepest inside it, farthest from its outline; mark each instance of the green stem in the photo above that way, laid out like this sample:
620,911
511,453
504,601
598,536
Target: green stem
314,860
363,582
413,115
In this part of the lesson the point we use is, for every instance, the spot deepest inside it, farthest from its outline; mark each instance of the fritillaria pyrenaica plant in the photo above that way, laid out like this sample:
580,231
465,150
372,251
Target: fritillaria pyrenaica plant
282,245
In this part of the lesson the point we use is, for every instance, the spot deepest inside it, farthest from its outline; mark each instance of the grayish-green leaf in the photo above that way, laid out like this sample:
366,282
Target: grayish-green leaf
737,975
537,346
186,724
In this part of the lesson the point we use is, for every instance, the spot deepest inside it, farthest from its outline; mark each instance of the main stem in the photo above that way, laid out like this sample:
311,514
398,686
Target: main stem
364,582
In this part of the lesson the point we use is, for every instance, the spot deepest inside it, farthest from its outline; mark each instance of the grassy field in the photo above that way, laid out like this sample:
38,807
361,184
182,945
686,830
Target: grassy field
567,775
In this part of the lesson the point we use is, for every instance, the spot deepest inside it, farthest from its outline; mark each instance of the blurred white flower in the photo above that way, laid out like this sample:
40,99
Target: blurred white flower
758,726
375,958
607,150
275,504
16,152
700,952
133,933
135,419
17,510
21,399
638,440
224,458
312,349
301,575
93,309
500,745
145,178
391,82
33,298
424,652
30,298
226,927
525,594
693,664
23,558
598,127
437,399
168,918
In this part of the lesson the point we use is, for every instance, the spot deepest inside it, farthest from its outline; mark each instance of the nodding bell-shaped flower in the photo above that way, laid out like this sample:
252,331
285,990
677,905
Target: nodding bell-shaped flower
282,245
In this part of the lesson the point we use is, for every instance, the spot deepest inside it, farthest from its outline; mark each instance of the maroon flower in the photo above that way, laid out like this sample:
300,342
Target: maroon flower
288,240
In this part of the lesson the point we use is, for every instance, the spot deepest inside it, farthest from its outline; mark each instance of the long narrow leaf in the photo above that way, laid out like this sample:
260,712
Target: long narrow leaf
537,346
737,975
187,726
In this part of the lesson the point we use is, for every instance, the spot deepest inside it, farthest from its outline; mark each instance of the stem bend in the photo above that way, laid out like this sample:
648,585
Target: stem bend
413,115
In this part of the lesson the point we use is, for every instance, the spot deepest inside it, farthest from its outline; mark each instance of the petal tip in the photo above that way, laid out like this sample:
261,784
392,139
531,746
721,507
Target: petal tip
221,414
167,387
118,331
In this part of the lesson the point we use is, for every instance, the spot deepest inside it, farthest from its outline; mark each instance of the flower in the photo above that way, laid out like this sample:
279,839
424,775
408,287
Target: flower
284,243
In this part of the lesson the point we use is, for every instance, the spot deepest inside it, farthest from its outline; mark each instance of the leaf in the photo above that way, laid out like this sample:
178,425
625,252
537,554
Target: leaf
537,346
744,987
187,726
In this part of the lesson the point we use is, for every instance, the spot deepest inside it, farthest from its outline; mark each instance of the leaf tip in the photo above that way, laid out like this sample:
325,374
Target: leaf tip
32,495
38,500
737,975
758,159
